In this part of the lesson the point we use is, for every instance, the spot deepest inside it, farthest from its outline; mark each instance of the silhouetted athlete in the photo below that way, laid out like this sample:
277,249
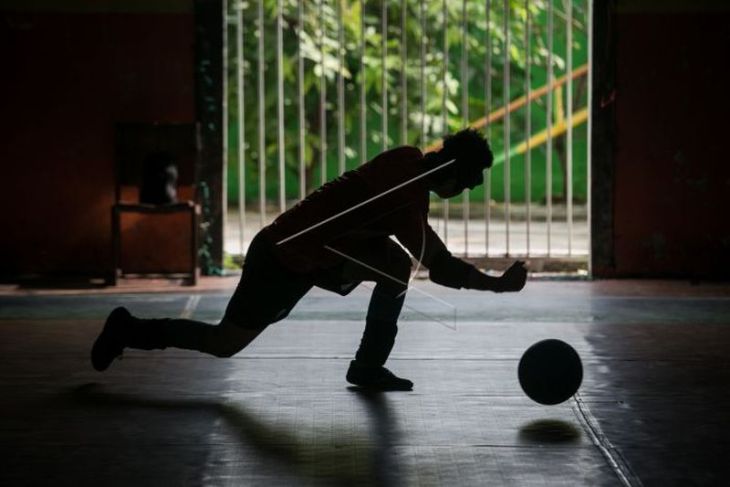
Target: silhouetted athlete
334,239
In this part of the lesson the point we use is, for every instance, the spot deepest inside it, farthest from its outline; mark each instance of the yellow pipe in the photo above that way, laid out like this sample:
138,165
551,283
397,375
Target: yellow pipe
541,137
517,103
559,108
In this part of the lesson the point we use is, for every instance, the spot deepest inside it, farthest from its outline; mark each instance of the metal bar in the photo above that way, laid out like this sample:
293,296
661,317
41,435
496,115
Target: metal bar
280,104
403,75
549,123
444,108
589,142
528,130
322,100
569,121
340,89
465,114
363,105
262,114
241,129
422,74
194,226
224,121
487,108
384,71
116,244
300,98
506,96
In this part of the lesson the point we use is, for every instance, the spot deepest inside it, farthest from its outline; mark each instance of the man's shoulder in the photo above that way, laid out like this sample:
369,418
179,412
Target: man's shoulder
400,153
398,162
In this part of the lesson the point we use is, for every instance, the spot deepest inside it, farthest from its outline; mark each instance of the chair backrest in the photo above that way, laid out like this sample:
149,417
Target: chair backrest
134,142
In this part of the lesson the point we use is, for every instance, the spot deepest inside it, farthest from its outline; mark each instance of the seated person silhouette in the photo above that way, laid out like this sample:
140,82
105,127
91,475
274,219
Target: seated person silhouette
335,238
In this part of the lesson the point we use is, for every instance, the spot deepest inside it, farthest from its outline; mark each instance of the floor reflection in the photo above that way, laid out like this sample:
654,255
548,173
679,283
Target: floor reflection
385,433
294,455
553,431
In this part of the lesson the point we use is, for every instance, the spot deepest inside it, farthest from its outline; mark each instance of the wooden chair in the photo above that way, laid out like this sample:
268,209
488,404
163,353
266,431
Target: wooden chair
134,143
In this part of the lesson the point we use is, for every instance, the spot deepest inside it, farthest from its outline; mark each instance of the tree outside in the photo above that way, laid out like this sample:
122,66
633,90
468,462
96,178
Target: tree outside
316,40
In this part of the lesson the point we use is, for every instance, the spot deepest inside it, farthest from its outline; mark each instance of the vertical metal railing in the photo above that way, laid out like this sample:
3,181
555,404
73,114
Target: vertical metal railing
363,104
403,75
300,99
569,122
549,125
528,126
487,111
340,89
224,108
445,95
280,103
422,70
465,112
322,99
545,130
506,126
384,68
241,127
262,115
589,141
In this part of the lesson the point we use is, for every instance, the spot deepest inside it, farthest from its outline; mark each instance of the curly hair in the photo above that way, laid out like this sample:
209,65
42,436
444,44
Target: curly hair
471,151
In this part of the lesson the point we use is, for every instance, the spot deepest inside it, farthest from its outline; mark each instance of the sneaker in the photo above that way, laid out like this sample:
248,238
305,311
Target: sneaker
110,343
376,378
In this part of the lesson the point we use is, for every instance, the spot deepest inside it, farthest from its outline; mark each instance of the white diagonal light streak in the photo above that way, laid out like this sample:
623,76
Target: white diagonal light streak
352,208
406,284
420,257
440,322
190,306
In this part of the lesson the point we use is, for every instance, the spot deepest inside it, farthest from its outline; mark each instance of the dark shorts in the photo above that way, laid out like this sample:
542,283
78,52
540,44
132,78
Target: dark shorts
268,291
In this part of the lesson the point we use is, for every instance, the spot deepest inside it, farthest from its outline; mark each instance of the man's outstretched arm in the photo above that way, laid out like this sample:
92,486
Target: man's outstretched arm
450,271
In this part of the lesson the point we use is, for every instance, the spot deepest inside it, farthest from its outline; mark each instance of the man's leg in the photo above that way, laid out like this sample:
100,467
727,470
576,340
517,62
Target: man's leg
265,294
393,267
222,340
122,330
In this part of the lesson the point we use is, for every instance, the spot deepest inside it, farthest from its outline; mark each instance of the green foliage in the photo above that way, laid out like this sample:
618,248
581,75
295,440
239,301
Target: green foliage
316,41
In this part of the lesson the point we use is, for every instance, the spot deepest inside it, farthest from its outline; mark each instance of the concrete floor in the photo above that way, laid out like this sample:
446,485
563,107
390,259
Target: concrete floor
652,410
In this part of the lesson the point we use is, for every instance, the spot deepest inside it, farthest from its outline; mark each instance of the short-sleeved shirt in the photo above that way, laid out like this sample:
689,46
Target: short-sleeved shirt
360,205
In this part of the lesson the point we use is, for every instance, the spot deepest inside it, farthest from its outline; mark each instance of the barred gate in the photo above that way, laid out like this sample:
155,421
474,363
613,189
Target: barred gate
315,88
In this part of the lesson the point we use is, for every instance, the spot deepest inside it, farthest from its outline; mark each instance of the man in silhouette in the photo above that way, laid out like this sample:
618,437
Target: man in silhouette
335,238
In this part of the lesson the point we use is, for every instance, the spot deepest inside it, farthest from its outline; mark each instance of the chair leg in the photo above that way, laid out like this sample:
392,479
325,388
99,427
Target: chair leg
194,214
116,247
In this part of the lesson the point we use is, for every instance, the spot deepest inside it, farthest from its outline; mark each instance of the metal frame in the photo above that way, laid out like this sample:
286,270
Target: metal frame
602,134
241,127
262,117
506,127
512,240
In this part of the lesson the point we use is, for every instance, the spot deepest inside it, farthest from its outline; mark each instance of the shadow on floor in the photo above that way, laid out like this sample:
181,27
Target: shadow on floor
364,461
385,434
552,431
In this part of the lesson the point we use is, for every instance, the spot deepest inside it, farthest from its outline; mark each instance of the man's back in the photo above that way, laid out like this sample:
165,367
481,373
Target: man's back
387,214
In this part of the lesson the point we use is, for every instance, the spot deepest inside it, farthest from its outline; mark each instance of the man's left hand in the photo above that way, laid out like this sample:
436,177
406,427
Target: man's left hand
513,279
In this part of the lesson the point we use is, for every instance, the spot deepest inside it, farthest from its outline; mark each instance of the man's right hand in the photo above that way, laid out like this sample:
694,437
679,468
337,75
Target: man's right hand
513,279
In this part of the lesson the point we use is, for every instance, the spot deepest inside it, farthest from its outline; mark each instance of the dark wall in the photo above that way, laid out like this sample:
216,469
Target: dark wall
670,171
67,77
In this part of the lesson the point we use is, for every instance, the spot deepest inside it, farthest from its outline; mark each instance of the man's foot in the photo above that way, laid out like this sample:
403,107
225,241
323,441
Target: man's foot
376,378
110,343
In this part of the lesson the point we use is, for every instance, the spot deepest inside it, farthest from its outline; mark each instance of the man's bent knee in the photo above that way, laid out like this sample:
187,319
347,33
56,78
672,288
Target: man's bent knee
229,339
399,272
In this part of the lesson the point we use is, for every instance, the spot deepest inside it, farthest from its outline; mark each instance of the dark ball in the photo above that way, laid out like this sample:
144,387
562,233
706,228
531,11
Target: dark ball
550,371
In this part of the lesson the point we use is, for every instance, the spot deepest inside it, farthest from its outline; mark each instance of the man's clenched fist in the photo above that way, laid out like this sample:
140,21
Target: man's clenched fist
513,278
